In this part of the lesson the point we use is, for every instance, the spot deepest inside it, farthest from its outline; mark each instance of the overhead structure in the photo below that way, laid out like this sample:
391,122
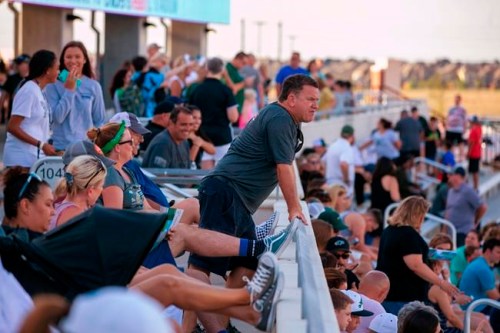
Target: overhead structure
47,24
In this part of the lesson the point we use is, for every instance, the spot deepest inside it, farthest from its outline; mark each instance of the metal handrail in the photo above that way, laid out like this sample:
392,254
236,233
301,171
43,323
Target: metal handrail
432,163
468,312
175,176
428,216
177,190
387,212
347,110
160,172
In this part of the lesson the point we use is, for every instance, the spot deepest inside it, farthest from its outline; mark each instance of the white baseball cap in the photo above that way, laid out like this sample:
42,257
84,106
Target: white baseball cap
315,208
115,309
131,121
357,305
384,323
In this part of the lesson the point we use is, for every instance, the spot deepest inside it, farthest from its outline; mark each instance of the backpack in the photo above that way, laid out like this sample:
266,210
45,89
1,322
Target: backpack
131,100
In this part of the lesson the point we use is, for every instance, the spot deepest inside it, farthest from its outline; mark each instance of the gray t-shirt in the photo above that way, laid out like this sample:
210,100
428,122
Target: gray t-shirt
163,152
248,71
133,198
384,144
250,163
409,132
461,206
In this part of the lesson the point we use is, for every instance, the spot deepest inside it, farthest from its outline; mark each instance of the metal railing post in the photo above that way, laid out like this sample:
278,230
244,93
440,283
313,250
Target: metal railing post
468,312
428,216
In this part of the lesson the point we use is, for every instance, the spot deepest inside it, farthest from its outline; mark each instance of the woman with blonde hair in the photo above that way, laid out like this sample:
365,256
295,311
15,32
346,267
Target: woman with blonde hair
121,189
403,254
81,186
177,82
357,224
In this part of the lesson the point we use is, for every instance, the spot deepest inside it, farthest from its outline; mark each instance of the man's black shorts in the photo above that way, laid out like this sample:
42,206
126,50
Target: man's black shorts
474,165
222,210
454,138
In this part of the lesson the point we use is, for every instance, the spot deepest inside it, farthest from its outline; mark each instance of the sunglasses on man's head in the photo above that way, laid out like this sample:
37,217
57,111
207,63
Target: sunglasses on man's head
300,140
27,182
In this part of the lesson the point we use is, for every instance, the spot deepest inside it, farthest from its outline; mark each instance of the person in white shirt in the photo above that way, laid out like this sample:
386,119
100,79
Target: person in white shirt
28,128
15,303
339,160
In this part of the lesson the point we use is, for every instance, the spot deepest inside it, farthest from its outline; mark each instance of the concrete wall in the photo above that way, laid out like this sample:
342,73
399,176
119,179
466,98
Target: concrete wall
45,28
190,38
125,38
363,123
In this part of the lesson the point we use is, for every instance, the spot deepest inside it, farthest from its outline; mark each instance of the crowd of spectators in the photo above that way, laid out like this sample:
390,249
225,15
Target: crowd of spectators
195,108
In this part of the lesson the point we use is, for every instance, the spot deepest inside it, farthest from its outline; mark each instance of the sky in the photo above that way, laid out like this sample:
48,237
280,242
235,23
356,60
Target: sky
412,30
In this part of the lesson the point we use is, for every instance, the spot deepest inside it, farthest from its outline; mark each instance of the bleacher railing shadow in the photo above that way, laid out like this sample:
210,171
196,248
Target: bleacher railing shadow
305,305
426,227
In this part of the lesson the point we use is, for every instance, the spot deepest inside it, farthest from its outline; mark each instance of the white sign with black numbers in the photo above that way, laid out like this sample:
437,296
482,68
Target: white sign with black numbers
50,169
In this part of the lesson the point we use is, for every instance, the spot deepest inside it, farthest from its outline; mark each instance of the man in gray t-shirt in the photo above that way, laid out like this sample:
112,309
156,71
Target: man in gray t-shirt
410,131
170,148
464,207
250,71
257,161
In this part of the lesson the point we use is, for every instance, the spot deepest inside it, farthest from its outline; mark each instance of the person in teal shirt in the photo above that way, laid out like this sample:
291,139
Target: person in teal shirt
478,280
459,263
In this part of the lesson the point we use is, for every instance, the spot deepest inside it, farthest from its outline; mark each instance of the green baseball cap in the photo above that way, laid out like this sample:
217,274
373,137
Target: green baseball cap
332,217
347,129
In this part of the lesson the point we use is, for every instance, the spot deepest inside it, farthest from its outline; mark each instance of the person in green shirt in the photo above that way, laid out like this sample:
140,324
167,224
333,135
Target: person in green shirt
235,81
459,262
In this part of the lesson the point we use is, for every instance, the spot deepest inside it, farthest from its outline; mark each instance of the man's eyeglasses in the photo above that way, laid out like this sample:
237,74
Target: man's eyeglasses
27,182
343,255
300,140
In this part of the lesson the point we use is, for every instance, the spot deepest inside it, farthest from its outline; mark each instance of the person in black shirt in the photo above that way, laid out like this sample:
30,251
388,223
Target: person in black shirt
218,109
403,255
159,122
339,247
13,81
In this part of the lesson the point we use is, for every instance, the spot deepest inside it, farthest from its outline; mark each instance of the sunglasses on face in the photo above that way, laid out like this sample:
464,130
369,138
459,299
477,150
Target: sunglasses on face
344,256
28,180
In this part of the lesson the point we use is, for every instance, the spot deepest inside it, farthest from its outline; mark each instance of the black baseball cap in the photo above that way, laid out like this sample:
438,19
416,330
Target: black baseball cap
338,244
22,58
459,170
164,107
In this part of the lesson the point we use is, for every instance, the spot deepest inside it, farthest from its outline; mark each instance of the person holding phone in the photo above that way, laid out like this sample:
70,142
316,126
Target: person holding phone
28,128
75,99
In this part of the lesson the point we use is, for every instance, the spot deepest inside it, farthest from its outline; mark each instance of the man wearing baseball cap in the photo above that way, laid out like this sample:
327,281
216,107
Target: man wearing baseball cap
464,206
384,323
357,310
156,198
21,63
159,122
333,218
339,247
